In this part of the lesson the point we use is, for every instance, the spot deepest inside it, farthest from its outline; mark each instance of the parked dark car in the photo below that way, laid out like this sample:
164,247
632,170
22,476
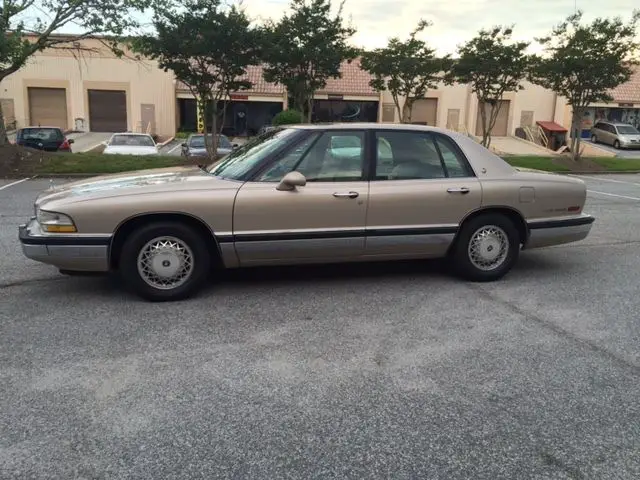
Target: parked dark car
194,147
50,139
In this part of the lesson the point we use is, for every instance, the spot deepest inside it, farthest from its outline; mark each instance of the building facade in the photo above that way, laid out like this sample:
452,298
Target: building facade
94,90
90,90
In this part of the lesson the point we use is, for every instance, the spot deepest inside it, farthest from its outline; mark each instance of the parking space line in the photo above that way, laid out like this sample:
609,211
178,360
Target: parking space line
613,195
605,180
175,148
14,183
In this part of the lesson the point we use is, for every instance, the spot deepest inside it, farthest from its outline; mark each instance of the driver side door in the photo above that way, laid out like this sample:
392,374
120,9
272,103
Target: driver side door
322,221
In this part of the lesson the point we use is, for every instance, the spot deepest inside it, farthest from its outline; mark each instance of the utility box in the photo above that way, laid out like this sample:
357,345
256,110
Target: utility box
556,134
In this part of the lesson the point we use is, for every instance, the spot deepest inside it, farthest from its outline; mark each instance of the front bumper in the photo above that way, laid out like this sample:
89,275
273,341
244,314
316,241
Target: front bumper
74,252
546,233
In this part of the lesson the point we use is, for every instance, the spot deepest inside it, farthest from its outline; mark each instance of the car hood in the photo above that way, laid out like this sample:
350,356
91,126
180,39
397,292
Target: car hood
630,136
134,183
129,150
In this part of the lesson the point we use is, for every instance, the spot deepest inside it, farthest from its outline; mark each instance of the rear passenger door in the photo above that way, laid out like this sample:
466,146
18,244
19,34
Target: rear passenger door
421,189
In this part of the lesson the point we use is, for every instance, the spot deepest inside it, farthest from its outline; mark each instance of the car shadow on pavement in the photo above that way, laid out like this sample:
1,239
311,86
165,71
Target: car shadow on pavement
435,270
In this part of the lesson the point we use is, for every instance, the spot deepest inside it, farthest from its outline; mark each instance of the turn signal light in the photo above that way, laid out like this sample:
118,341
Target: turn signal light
59,228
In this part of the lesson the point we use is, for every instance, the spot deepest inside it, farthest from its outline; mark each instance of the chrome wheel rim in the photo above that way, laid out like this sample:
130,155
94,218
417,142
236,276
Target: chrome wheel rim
488,248
165,263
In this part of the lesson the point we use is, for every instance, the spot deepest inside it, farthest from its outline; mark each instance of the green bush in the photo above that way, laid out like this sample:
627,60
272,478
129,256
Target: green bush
287,117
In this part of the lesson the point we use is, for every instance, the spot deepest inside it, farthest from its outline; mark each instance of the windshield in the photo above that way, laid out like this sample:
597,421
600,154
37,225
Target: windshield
242,160
197,141
627,130
132,140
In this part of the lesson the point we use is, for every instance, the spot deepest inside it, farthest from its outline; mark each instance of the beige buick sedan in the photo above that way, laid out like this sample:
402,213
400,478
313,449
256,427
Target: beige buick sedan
308,194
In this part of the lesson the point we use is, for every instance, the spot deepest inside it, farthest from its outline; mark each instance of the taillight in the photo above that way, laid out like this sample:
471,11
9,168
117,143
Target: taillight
65,145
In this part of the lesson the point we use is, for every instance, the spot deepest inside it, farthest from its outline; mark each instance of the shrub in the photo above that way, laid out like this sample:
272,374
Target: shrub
287,117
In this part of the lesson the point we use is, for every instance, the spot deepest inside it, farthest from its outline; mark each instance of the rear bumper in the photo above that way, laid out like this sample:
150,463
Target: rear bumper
547,233
76,252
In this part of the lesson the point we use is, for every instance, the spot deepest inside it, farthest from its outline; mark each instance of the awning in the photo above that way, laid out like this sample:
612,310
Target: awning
551,126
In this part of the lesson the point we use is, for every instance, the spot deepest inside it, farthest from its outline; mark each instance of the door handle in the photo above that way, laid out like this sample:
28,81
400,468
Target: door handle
461,190
346,195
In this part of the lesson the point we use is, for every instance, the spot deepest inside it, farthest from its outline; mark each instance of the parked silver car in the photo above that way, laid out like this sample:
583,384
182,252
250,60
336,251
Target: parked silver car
194,147
620,135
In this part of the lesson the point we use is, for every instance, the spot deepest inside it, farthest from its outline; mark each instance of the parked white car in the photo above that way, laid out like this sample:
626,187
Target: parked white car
131,144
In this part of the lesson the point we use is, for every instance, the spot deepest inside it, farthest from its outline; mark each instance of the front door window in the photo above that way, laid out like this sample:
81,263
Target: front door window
333,156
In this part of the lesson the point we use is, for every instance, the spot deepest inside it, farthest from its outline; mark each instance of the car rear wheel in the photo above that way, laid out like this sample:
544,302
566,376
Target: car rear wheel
616,144
165,261
487,247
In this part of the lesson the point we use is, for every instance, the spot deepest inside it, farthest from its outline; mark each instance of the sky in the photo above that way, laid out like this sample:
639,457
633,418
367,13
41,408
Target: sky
454,21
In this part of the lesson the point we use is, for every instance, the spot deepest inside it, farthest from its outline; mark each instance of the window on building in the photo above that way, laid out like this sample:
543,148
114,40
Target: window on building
388,112
526,118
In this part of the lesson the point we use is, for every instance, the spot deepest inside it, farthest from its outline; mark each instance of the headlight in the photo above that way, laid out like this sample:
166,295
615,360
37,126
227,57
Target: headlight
53,222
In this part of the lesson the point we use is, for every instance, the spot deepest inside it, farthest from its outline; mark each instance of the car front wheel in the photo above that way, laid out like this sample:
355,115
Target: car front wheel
487,248
165,261
616,144
594,139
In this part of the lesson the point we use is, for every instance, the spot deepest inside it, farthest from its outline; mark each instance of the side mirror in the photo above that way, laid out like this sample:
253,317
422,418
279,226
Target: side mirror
290,181
184,145
71,140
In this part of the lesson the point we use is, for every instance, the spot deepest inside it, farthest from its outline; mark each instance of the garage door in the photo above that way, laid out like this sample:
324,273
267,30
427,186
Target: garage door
501,126
107,110
425,111
48,107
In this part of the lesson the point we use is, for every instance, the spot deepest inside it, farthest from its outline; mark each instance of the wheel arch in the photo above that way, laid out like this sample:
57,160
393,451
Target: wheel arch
127,226
511,213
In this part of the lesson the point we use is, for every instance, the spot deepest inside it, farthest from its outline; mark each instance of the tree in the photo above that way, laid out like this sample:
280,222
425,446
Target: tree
31,26
208,46
287,117
406,69
584,62
305,49
492,64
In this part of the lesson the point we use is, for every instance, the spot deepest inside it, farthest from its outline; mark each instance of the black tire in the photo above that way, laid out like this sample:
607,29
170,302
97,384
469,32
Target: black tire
460,256
201,261
594,139
616,145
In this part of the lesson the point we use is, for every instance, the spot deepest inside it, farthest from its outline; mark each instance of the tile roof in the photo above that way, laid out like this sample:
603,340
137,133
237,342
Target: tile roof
354,81
628,92
254,75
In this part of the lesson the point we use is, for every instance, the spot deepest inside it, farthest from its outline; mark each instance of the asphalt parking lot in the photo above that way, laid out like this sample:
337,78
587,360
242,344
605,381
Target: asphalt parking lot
361,371
621,153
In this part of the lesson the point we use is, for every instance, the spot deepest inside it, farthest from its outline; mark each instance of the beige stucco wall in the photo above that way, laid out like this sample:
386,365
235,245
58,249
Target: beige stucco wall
536,99
142,80
460,97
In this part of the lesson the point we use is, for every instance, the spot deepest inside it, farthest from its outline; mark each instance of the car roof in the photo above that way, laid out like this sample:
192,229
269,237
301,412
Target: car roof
367,126
40,126
133,134
614,122
202,135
